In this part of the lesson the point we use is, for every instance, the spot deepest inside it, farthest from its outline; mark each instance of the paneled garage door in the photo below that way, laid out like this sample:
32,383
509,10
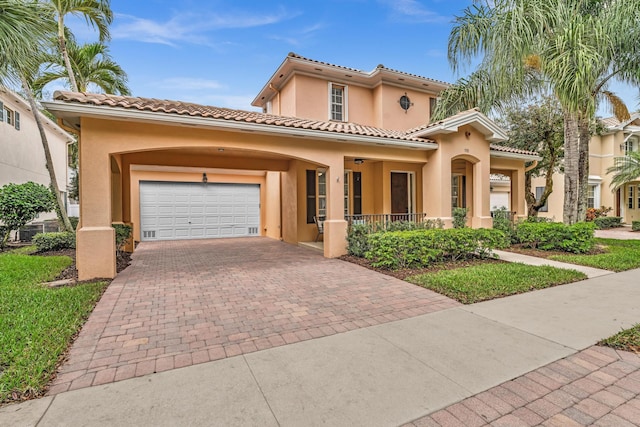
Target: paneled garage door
180,210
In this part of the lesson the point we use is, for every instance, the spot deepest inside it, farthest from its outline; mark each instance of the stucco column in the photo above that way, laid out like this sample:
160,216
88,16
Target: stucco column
289,207
481,187
436,189
335,226
95,239
518,203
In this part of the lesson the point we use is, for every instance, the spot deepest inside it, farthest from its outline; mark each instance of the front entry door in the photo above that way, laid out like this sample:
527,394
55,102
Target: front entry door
400,192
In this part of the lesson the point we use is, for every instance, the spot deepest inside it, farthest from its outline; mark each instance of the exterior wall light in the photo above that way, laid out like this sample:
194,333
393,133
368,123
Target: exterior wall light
204,178
358,161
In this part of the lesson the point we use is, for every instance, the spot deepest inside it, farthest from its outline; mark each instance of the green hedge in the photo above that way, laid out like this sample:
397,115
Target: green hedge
604,222
635,225
419,248
548,236
358,234
54,241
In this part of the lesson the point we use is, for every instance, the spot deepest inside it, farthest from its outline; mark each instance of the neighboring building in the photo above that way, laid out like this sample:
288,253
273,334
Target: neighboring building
617,140
21,154
333,143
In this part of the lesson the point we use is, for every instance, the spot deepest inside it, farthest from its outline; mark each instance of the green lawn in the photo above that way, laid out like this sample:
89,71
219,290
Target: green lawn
628,340
620,255
487,281
36,322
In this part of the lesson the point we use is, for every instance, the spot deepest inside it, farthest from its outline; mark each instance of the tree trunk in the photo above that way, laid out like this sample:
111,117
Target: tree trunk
571,169
62,211
530,197
65,55
583,172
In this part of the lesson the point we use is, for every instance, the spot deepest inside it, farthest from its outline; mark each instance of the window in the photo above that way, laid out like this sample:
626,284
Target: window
591,196
322,193
630,145
337,102
539,191
347,193
630,197
16,120
458,191
8,116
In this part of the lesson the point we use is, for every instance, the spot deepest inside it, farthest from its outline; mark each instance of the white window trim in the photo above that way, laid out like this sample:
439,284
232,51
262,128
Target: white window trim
596,184
345,101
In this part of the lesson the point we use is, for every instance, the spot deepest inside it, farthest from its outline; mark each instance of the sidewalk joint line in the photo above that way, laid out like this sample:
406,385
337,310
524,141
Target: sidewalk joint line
260,388
45,411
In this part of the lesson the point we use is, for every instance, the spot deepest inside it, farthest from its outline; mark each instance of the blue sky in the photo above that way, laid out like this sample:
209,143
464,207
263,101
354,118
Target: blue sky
221,52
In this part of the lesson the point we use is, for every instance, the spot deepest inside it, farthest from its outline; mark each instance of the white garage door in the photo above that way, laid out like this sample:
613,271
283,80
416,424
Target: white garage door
499,200
181,210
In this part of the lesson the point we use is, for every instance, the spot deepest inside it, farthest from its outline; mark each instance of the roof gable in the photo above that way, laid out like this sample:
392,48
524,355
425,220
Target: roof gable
473,117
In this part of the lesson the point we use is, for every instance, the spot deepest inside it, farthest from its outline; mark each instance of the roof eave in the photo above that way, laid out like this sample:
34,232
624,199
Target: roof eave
67,111
517,156
492,132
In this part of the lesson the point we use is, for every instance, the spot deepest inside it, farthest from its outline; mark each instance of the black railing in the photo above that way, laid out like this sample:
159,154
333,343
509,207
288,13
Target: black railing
381,220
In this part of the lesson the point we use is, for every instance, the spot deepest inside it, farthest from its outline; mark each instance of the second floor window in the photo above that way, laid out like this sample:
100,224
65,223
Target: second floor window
630,145
337,102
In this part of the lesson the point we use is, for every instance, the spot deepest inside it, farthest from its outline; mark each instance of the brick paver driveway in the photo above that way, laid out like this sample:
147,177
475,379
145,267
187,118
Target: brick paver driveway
187,302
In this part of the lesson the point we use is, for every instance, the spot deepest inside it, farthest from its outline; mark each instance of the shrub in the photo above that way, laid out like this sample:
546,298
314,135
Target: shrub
74,221
548,236
460,217
502,221
123,233
54,241
593,213
357,239
358,234
419,248
21,203
602,223
635,225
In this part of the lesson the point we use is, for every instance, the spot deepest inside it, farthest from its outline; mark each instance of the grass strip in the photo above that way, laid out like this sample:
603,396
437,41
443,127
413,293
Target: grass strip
488,281
37,322
628,340
619,255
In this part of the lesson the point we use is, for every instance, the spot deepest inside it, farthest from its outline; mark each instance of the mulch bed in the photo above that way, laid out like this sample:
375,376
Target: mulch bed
521,249
404,273
122,261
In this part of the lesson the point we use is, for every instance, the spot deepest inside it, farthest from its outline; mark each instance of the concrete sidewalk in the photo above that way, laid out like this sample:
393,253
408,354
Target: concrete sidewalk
384,375
531,260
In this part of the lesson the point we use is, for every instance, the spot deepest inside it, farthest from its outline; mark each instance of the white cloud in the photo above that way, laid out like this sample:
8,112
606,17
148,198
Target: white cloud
413,11
189,27
296,38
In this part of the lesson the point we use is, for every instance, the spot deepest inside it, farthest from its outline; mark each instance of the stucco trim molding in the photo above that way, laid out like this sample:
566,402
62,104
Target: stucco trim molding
474,118
519,156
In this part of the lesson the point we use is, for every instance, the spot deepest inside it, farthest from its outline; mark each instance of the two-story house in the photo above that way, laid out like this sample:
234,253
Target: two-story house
21,154
332,142
617,140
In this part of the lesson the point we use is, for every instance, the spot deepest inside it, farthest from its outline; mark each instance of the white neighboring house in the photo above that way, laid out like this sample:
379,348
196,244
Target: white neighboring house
21,154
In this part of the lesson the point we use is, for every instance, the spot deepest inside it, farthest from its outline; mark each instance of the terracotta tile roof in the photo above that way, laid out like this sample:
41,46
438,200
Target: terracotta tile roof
196,110
430,125
610,122
378,67
505,149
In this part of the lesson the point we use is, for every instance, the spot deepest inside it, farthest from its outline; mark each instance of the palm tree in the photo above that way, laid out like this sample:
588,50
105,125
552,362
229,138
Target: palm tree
97,13
92,67
24,32
571,48
625,169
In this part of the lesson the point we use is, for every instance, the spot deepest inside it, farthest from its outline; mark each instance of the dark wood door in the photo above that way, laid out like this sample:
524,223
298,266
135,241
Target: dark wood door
399,192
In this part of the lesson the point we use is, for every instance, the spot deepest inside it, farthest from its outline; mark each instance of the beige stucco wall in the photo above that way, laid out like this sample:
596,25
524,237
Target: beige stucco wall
21,154
308,97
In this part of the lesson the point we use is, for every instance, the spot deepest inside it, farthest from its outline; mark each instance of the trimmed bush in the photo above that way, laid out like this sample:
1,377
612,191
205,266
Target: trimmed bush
502,221
549,236
420,248
460,217
54,241
74,221
123,233
358,234
602,223
358,239
635,225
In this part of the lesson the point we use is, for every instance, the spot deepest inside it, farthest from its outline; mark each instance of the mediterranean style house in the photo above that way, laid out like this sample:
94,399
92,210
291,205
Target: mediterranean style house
616,141
21,154
332,144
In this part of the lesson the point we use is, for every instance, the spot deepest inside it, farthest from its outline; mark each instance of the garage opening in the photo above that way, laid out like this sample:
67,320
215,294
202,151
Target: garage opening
187,210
